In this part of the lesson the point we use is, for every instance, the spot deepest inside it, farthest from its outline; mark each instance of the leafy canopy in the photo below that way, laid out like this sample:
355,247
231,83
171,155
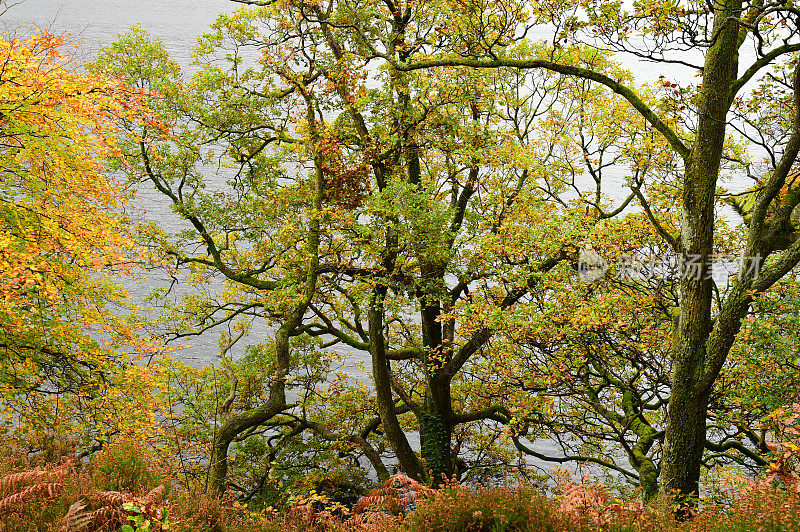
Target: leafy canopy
63,242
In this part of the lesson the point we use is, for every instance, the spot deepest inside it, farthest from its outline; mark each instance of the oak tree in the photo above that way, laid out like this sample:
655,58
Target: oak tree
727,45
404,176
434,186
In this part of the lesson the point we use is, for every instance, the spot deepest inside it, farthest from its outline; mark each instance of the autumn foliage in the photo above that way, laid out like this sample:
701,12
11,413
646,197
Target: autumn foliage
63,242
383,210
68,497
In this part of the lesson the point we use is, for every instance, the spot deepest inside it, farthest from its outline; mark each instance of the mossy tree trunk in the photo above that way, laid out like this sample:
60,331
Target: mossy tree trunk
685,436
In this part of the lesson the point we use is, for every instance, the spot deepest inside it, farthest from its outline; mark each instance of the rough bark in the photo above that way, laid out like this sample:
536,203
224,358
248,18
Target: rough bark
230,429
684,439
381,375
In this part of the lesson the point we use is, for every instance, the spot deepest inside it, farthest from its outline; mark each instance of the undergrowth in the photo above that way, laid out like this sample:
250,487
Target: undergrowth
120,489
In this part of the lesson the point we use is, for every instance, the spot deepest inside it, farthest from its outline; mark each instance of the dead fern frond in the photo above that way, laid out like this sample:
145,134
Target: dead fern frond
377,501
96,510
401,481
398,493
110,498
77,519
155,495
11,483
101,508
370,521
14,501
72,520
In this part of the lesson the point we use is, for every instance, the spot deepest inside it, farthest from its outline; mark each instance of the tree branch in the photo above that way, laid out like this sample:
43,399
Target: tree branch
569,70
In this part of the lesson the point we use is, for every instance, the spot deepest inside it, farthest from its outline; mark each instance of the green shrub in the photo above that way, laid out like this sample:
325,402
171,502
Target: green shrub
126,467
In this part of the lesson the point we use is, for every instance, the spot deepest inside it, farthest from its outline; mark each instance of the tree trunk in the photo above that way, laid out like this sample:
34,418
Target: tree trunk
436,428
648,480
435,439
218,467
381,375
436,415
235,425
684,443
684,439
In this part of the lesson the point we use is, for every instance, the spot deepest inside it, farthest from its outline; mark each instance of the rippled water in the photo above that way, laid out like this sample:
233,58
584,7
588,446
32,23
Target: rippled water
176,22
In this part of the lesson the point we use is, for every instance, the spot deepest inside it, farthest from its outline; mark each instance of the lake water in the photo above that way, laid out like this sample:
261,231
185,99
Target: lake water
176,22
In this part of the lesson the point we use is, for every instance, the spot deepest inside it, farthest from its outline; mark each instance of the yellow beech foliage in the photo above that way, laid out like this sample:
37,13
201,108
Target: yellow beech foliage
63,242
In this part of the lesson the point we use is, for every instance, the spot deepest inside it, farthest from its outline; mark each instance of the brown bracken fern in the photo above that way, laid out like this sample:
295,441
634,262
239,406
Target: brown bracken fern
18,488
102,509
379,506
